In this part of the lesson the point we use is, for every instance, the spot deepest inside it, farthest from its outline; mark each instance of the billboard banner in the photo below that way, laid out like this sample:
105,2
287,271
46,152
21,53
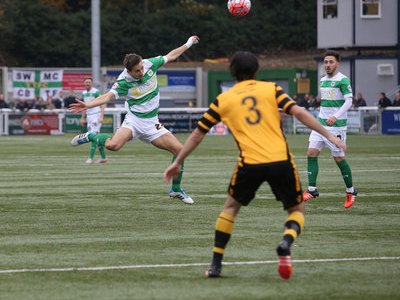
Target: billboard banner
72,124
74,81
176,81
30,84
391,121
179,121
33,124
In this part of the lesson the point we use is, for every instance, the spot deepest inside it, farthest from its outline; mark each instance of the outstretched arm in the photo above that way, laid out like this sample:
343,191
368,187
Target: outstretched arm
174,54
191,143
80,106
308,119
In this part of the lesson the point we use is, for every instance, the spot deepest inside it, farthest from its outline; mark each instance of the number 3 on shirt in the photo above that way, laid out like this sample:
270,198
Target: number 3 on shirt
254,114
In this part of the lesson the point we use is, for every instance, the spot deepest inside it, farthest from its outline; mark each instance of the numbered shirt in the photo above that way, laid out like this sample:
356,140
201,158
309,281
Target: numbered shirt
250,109
88,96
142,96
334,90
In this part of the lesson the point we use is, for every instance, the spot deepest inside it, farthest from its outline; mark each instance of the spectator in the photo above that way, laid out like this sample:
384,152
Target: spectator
40,104
396,100
49,103
304,102
56,101
11,104
3,103
21,105
69,99
359,101
316,104
384,101
30,104
310,99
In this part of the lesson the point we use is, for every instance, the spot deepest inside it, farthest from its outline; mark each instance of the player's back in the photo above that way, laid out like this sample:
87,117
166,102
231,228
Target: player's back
251,111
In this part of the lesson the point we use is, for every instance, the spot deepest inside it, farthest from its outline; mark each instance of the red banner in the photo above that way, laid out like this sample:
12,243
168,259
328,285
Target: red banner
40,124
74,81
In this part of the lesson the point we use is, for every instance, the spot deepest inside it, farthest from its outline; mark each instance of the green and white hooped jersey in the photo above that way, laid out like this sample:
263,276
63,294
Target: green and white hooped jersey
88,96
142,96
334,91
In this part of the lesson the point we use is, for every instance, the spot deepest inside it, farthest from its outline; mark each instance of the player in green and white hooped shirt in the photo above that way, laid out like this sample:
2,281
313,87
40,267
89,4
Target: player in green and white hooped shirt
138,84
336,100
93,118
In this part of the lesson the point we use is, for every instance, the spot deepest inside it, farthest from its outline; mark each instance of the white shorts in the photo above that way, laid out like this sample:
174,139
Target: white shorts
147,130
93,124
318,141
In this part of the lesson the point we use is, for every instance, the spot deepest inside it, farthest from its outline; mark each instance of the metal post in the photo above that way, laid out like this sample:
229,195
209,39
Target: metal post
199,87
96,52
4,83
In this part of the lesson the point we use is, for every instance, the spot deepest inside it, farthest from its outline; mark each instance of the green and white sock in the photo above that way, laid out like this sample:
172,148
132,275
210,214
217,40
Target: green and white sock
346,173
176,182
100,139
312,168
93,147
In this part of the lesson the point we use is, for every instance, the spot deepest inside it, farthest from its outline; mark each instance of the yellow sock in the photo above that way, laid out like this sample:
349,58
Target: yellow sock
294,224
223,231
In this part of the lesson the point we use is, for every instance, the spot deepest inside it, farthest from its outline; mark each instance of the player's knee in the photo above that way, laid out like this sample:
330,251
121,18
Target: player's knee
113,146
338,159
312,152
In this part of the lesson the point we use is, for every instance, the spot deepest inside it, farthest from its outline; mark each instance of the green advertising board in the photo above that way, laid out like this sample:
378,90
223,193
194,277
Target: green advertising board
72,124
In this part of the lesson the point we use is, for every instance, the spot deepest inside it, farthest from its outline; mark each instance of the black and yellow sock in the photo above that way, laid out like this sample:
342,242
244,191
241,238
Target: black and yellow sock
293,226
223,231
346,173
312,168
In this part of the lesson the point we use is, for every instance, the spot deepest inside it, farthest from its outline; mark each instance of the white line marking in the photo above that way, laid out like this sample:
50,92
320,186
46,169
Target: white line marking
261,262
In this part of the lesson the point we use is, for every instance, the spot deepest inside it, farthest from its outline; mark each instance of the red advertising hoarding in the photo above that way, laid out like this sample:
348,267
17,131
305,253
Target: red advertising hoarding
74,81
40,124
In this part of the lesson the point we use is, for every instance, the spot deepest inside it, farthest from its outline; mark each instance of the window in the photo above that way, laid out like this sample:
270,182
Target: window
329,9
370,8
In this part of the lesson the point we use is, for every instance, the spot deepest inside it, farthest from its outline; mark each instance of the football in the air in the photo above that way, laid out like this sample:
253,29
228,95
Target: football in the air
239,8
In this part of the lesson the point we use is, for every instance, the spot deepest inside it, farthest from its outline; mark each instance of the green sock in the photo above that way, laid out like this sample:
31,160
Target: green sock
100,139
312,168
93,147
346,173
176,183
102,151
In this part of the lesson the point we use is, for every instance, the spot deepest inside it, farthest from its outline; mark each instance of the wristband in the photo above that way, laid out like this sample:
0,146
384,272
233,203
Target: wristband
189,43
192,40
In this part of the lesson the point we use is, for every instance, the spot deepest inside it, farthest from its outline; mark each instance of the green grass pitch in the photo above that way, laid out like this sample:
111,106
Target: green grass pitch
58,213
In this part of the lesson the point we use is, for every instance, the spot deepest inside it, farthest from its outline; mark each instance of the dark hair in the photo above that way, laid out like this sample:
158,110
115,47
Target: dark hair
131,60
244,65
333,53
88,78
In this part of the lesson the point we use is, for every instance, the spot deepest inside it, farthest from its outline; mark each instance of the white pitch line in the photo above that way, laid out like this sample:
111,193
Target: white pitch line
262,262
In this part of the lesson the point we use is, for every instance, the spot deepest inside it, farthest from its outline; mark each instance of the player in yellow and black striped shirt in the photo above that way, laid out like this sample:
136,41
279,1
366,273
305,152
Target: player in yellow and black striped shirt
250,109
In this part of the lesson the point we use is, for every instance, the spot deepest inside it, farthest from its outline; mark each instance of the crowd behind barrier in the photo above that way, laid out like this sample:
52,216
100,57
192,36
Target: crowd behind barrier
363,120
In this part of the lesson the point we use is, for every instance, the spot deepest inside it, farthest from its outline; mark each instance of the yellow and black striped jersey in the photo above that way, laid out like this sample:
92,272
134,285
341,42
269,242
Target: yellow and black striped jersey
250,109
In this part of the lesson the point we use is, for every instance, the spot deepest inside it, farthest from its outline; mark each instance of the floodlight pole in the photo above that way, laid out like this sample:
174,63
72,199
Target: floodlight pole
96,54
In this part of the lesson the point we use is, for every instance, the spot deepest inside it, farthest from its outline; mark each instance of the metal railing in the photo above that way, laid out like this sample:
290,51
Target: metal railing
364,120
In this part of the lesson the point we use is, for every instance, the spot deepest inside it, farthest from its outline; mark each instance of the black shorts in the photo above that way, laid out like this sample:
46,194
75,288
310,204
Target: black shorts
282,177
